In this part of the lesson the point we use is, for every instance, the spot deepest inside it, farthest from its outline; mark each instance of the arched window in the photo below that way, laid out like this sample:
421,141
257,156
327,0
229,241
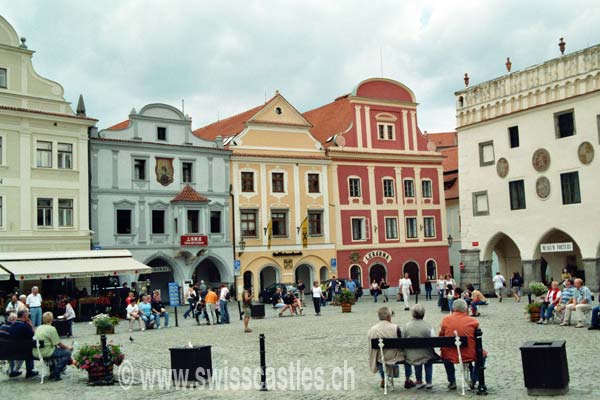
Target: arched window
431,270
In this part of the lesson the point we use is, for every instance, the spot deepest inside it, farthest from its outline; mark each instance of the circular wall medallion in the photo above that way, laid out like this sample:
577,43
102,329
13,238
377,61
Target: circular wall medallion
431,146
541,160
585,153
502,167
542,187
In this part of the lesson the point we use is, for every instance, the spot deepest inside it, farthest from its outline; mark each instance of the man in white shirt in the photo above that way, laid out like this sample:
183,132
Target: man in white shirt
441,288
34,302
223,300
405,286
499,283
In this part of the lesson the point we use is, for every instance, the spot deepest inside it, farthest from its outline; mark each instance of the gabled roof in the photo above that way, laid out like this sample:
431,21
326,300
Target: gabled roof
229,126
119,126
330,119
190,195
443,139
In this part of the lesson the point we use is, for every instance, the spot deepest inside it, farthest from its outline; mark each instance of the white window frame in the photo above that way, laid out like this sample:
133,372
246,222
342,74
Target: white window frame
416,228
60,217
63,153
308,183
436,268
285,182
255,176
256,223
322,214
390,179
364,236
285,212
146,160
430,182
193,171
387,236
359,187
431,218
5,69
124,205
404,181
220,211
37,209
166,139
476,211
187,220
386,132
37,159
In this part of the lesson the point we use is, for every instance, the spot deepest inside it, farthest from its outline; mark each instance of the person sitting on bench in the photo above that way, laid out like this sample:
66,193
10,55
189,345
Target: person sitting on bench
477,299
54,349
418,328
460,322
22,329
145,310
383,330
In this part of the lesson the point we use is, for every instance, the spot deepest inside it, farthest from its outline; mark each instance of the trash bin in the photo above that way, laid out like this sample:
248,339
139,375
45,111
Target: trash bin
191,364
257,311
539,379
444,303
61,326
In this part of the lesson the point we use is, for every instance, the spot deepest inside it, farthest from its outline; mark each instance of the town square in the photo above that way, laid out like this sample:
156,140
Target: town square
267,199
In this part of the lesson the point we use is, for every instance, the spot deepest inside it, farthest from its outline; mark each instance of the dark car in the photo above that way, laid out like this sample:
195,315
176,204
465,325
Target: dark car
266,296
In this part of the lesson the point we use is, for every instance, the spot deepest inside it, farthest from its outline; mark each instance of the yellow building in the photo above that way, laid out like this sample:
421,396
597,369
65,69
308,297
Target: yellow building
282,216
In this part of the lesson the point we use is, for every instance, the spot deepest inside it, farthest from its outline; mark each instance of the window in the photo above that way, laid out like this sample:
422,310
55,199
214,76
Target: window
65,212
3,78
124,222
139,170
409,188
564,124
313,183
1,212
158,222
187,175
569,183
429,227
517,194
431,270
65,156
248,223
411,228
193,221
426,188
44,154
161,133
486,154
513,136
315,223
358,229
277,182
354,187
279,223
480,203
391,228
385,131
44,212
388,188
215,222
1,144
247,181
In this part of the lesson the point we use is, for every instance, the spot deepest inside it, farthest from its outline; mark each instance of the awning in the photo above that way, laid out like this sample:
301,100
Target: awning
69,264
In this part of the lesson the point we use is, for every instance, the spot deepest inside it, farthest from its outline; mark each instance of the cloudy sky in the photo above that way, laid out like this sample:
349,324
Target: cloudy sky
224,57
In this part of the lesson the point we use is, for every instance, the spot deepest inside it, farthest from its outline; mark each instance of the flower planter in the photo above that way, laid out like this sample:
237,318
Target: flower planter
105,331
97,375
534,316
346,307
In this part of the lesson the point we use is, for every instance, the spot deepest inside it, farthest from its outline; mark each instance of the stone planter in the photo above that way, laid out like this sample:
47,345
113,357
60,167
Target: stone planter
346,307
534,315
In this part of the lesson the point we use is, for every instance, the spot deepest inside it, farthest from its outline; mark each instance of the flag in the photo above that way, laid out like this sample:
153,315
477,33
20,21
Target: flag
269,233
304,231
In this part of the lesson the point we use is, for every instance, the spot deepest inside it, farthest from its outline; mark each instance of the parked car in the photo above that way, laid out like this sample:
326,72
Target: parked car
266,296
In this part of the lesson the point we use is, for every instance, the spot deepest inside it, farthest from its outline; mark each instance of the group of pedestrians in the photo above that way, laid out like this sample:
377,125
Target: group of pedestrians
516,285
210,303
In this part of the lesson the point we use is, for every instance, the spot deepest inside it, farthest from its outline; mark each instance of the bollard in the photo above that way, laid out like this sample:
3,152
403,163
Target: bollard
106,361
417,298
263,364
479,363
240,310
176,321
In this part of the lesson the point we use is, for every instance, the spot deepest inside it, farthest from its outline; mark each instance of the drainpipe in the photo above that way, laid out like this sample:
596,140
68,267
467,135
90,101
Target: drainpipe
233,236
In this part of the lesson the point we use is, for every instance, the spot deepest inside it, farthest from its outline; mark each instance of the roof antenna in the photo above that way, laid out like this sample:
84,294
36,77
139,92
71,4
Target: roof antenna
265,96
381,60
183,106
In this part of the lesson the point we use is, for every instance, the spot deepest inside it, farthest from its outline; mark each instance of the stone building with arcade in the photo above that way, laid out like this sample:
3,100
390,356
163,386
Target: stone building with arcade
386,181
162,193
529,173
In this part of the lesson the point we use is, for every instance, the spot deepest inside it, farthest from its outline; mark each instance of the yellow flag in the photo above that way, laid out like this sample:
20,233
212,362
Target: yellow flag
304,230
269,233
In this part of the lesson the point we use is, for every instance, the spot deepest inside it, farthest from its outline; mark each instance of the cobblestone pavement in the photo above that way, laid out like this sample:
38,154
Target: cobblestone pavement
327,341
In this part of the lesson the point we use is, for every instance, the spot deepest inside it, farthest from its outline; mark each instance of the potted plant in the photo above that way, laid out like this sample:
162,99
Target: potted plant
89,358
104,323
537,289
346,299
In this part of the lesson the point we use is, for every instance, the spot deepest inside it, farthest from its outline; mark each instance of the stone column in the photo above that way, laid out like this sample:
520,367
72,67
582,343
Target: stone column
471,271
591,266
486,286
530,273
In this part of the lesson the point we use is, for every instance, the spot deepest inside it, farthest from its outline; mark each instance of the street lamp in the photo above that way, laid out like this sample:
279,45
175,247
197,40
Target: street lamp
242,246
450,240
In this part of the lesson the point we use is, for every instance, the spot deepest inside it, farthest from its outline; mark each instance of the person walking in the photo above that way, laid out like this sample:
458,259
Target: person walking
190,297
441,288
374,290
34,302
211,305
499,284
516,282
223,300
247,307
406,288
317,296
428,289
301,288
69,316
383,286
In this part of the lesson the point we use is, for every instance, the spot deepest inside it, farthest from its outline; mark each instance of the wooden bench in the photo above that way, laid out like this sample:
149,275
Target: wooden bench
16,350
434,342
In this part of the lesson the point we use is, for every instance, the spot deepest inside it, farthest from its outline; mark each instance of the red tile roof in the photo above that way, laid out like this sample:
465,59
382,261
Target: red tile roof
451,186
229,126
189,194
443,139
330,119
119,126
450,163
45,113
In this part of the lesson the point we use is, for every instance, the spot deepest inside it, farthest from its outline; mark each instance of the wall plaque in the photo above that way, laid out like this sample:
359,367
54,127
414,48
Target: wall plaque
585,152
542,187
502,167
541,160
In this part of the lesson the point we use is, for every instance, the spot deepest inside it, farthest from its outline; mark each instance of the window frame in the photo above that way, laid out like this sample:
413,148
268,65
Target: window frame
385,221
434,230
243,221
188,226
2,211
278,183
61,155
476,211
562,188
191,163
244,179
392,187
210,216
363,228
126,209
512,136
308,182
2,149
164,221
285,220
311,222
356,179
515,202
408,225
5,70
158,132
135,169
386,131
39,151
66,209
482,146
404,187
47,211
434,275
430,182
557,116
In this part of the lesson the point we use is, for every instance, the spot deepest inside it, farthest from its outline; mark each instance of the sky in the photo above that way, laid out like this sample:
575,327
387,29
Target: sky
225,57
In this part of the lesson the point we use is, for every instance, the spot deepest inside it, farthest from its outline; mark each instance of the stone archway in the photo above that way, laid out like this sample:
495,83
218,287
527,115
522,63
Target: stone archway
377,272
268,276
248,277
305,273
323,274
557,250
356,274
207,271
162,273
504,256
412,269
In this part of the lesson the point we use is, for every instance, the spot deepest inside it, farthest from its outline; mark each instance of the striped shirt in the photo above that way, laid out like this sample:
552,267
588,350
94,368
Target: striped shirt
583,293
566,294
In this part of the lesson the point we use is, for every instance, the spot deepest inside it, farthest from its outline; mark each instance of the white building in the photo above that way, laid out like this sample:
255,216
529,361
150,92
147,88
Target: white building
528,175
163,193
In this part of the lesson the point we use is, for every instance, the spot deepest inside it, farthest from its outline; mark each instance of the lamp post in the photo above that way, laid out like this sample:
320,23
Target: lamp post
242,247
450,240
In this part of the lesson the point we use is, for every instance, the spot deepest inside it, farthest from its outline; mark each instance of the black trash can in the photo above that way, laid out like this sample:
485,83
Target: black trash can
61,326
257,311
191,364
539,379
444,303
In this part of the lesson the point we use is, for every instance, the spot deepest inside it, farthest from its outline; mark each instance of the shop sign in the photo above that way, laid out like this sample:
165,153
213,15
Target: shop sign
556,247
164,268
377,253
194,240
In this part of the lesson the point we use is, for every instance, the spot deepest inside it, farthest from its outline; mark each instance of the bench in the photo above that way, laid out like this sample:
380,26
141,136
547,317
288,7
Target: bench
16,350
434,342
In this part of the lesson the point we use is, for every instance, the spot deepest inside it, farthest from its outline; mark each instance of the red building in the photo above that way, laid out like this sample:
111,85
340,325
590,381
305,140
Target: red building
387,185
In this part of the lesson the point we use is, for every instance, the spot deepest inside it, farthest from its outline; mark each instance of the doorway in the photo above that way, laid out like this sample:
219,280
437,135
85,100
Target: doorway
412,269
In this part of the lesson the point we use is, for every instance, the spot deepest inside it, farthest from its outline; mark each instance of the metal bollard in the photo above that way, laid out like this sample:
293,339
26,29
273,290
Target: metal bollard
176,320
263,364
479,363
106,361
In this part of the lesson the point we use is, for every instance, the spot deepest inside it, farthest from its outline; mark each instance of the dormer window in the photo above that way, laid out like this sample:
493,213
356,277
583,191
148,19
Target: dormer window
161,133
3,78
